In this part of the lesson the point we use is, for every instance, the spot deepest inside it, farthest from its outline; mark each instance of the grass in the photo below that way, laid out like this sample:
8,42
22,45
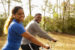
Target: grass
65,42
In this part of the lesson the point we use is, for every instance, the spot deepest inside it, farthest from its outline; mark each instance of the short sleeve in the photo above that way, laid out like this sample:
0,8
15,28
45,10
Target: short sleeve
18,28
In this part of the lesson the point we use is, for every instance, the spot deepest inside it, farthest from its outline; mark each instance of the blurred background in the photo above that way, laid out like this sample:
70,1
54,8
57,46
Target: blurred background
58,19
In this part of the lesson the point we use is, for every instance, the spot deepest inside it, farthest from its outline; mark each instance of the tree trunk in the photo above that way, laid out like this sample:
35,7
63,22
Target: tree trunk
45,12
4,8
30,9
8,7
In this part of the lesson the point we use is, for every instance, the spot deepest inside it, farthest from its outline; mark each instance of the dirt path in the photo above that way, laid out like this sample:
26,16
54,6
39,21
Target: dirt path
65,42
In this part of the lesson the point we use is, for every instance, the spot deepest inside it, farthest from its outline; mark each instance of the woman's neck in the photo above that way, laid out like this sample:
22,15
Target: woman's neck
18,21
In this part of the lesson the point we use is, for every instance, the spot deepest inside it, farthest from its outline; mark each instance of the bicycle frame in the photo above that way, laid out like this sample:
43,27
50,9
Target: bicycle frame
52,44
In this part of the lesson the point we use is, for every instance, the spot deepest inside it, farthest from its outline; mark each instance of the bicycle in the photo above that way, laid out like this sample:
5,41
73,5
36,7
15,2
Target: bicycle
52,46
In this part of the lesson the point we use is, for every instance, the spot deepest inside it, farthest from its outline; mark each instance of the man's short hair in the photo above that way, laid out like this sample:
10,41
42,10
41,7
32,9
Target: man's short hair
37,14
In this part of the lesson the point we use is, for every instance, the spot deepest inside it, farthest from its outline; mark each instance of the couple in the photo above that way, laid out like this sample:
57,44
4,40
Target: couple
16,31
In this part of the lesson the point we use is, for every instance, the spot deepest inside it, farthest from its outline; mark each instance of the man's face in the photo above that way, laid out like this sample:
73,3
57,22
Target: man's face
38,18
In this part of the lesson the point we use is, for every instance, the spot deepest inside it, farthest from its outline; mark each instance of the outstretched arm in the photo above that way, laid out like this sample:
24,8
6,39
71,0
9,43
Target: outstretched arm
33,39
41,32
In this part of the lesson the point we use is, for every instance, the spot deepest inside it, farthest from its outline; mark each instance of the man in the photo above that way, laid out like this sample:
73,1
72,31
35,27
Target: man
34,28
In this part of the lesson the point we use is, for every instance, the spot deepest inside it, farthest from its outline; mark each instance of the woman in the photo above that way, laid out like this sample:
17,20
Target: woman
16,31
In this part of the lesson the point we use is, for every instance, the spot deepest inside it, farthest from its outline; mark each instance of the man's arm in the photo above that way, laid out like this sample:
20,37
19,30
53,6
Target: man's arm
41,32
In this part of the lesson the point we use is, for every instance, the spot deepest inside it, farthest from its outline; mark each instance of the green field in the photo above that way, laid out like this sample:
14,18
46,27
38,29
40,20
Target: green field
65,42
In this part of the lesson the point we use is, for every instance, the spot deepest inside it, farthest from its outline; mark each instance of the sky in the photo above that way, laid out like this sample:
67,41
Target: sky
36,3
37,9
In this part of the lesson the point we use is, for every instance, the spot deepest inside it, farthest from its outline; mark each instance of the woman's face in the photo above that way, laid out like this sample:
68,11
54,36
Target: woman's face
19,16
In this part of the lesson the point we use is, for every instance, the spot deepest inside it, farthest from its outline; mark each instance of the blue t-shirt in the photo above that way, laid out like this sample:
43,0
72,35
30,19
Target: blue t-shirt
14,36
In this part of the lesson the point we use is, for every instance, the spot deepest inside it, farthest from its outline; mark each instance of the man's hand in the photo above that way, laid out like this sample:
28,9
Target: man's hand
54,40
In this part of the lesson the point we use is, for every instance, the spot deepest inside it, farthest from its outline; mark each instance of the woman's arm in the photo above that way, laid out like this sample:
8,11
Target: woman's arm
33,39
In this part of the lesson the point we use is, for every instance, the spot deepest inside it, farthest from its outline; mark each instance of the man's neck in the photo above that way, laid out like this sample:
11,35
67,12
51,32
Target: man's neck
36,21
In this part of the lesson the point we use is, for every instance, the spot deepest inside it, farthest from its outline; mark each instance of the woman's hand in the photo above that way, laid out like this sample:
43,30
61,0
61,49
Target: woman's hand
47,47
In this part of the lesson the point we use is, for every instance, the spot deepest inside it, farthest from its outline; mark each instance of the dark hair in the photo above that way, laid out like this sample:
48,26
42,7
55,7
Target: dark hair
37,14
9,20
14,11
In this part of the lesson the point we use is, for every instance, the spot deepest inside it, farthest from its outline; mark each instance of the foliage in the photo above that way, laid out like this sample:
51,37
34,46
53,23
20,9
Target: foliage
56,25
27,20
51,25
2,21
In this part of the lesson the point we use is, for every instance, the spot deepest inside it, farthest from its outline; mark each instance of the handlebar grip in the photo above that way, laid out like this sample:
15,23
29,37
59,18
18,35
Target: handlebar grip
48,48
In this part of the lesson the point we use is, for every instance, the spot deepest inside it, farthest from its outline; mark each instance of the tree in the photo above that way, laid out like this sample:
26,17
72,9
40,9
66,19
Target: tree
8,7
44,8
9,3
4,8
30,9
